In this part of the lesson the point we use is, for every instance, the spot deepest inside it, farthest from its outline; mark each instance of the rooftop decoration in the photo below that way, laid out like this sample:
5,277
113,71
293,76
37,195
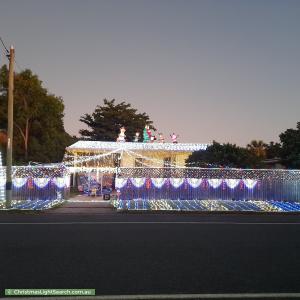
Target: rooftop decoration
136,137
147,134
174,138
122,135
98,145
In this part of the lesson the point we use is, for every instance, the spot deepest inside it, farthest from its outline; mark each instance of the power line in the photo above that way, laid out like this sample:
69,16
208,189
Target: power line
18,66
7,51
7,54
4,52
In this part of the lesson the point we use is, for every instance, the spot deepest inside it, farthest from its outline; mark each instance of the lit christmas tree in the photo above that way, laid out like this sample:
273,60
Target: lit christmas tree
2,180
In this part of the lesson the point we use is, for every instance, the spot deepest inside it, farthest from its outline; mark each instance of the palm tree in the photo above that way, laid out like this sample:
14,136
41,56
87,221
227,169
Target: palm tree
258,148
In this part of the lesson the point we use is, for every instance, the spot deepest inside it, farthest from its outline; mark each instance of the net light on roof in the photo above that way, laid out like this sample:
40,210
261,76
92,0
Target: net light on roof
97,145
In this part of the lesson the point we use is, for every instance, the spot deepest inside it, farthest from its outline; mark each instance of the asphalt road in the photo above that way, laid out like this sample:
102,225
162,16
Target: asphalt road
150,254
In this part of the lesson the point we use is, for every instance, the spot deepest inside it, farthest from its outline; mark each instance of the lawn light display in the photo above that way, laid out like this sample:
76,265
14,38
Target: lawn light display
207,205
200,184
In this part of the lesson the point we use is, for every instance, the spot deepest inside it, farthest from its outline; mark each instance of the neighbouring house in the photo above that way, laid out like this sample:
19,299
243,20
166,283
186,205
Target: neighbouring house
273,163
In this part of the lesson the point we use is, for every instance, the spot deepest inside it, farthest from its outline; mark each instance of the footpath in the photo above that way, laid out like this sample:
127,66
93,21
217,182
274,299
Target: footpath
83,205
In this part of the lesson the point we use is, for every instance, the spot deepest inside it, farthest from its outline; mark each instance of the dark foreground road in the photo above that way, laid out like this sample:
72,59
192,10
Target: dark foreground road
140,254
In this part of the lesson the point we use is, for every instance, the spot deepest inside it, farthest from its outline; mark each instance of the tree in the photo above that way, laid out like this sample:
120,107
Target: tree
258,148
39,133
105,122
273,150
224,155
290,153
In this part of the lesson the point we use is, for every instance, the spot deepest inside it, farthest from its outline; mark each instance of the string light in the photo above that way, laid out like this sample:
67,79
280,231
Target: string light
18,182
214,173
250,183
187,188
42,185
159,162
194,182
41,182
206,205
2,180
77,159
83,146
44,171
215,183
155,162
177,182
97,145
232,183
138,182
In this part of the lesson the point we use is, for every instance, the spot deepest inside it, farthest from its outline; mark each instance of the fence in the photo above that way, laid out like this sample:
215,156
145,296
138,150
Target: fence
38,183
211,184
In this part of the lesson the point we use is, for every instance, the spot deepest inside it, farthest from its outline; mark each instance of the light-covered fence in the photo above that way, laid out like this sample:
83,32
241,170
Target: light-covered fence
201,183
43,183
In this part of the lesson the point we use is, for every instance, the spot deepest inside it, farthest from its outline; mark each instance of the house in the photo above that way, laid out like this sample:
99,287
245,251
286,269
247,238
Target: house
130,154
98,161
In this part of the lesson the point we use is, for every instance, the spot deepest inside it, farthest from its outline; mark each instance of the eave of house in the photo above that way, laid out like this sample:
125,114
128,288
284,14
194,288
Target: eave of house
91,146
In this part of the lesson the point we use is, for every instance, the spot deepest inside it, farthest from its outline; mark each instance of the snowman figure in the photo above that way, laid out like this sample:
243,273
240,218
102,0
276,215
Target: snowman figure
174,138
161,138
153,138
136,137
121,137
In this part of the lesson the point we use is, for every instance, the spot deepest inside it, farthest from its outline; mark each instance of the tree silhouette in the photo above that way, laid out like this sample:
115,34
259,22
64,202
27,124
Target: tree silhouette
107,119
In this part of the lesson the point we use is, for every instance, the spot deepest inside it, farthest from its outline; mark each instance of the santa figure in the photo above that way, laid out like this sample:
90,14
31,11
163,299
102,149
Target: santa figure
174,138
149,132
121,137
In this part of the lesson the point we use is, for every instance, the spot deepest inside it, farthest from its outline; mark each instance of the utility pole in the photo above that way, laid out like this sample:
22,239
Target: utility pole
10,126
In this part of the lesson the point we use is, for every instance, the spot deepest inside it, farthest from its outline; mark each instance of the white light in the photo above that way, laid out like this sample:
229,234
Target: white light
98,145
138,182
194,182
18,182
215,183
250,183
2,180
59,196
232,183
120,182
59,182
41,182
158,182
79,159
67,181
176,182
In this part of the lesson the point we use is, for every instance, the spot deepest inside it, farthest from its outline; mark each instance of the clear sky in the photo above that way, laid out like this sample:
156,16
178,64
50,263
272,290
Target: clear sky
223,70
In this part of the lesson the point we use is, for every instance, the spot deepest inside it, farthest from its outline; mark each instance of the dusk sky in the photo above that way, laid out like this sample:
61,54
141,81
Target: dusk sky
206,70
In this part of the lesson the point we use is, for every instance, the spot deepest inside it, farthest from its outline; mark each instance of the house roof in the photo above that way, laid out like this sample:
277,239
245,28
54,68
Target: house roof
99,145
